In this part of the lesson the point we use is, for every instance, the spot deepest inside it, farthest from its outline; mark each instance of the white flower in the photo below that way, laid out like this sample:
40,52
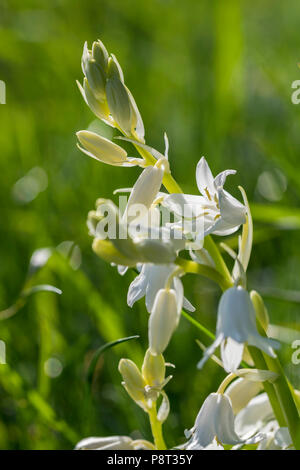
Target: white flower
217,211
214,422
151,279
258,416
236,325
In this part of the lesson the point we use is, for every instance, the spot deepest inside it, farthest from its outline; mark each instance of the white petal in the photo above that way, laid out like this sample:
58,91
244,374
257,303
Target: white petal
231,353
137,288
251,419
241,391
204,178
220,179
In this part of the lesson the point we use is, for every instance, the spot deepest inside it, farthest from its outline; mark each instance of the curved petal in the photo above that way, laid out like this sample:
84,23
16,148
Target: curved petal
220,179
204,178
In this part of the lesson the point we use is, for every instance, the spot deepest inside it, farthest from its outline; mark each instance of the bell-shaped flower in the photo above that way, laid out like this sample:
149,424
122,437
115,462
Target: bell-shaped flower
113,443
215,210
214,423
236,326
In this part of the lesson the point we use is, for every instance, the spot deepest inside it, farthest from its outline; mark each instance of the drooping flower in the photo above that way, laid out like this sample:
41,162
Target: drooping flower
236,326
214,423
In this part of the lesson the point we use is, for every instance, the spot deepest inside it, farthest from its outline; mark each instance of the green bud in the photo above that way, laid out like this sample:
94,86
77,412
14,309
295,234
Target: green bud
100,55
96,79
119,103
153,369
133,380
107,251
114,69
260,309
99,108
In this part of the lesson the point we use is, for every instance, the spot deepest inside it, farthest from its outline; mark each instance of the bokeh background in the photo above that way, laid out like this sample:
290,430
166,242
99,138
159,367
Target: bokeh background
216,76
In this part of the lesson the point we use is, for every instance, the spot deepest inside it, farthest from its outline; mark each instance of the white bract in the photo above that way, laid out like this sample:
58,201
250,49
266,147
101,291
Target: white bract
236,326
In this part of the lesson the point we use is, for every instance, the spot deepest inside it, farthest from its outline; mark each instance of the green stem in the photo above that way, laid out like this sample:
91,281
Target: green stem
204,270
260,363
156,428
214,252
286,399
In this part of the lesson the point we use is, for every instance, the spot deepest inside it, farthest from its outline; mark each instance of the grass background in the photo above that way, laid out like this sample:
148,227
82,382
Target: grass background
217,77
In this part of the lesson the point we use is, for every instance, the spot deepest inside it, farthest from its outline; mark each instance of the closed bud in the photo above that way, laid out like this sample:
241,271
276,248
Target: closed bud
96,79
99,108
133,380
101,148
100,55
114,69
109,253
153,369
260,309
119,103
162,321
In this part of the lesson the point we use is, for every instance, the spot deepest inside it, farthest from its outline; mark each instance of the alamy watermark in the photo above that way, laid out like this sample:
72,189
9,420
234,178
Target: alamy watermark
296,353
2,92
295,96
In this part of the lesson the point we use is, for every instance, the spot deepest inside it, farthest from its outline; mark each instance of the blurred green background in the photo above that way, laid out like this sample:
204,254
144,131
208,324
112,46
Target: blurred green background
216,76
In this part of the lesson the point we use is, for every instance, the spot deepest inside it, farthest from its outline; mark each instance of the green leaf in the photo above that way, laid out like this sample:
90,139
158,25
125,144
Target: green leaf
105,347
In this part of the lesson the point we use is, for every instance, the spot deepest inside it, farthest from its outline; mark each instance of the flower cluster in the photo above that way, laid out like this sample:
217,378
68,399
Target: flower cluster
163,233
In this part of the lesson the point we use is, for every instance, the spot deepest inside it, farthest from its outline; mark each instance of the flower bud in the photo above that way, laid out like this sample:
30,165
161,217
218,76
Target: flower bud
153,369
144,191
163,320
94,66
100,55
99,108
96,80
133,380
114,69
107,251
260,309
119,103
101,148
